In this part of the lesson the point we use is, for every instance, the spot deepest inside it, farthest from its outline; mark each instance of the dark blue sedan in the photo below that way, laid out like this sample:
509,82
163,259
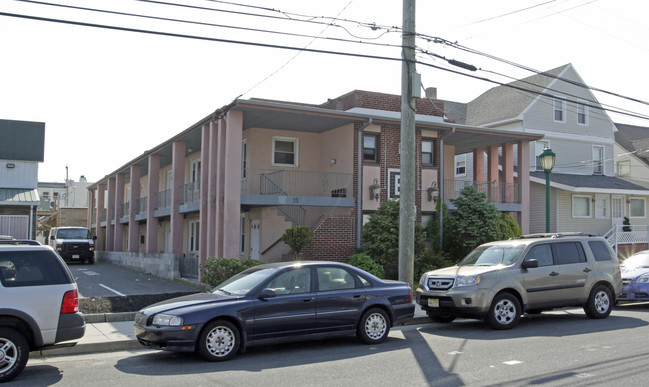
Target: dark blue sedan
635,277
275,303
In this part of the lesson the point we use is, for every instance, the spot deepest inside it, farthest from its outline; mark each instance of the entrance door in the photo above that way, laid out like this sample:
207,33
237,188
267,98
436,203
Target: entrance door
617,210
254,239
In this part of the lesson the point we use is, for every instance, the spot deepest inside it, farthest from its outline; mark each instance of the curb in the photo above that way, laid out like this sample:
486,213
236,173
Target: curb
85,348
108,317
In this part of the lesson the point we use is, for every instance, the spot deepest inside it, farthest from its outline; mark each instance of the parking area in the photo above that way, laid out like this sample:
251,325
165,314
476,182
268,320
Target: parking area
108,280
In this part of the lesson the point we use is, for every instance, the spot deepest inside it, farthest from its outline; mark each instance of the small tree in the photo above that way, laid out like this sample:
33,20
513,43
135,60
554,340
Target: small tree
627,224
298,237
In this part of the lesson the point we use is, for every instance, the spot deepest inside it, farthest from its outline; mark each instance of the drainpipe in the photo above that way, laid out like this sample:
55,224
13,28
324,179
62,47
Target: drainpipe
359,185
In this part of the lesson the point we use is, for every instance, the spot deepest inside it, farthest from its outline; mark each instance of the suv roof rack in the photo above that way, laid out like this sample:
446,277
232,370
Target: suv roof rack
555,235
16,242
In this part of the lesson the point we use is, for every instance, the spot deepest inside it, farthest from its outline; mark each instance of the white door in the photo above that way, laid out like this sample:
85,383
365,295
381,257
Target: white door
617,210
254,239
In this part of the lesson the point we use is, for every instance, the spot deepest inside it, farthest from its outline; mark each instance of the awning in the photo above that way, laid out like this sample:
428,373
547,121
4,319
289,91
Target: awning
19,197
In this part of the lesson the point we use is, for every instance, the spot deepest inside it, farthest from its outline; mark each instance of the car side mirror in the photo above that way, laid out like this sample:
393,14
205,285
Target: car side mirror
267,293
530,264
52,237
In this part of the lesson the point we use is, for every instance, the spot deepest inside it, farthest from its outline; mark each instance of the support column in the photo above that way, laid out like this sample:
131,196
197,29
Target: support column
119,206
101,239
524,184
153,186
203,214
232,184
110,216
508,171
478,170
220,182
133,225
212,167
178,177
492,174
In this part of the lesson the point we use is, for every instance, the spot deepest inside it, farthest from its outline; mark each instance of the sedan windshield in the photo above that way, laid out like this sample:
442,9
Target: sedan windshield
493,255
242,283
637,261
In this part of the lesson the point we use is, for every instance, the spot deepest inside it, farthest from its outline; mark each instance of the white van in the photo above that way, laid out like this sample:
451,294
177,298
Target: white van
73,243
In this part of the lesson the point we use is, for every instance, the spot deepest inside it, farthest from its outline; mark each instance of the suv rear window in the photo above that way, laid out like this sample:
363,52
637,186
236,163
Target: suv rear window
31,268
600,251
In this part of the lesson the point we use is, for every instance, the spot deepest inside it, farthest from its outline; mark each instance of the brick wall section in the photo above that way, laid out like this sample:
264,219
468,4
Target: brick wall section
381,101
333,239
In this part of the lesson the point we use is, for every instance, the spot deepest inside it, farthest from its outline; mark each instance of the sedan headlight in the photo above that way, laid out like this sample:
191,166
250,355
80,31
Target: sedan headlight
643,279
467,280
167,320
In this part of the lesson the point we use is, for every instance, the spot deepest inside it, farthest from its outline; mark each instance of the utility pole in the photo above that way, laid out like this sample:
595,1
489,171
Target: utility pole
407,212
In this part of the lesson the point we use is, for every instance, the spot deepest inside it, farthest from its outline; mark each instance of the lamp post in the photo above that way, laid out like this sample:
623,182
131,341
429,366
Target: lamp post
547,163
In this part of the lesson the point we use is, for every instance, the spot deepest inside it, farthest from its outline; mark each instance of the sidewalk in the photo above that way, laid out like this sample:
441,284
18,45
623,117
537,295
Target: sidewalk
114,332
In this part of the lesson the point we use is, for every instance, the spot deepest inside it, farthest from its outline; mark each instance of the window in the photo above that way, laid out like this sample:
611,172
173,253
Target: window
285,151
637,207
195,173
601,206
542,254
559,110
624,168
244,151
193,236
31,268
598,160
427,153
460,165
582,114
371,148
538,149
570,252
394,183
600,251
294,281
334,278
581,206
242,232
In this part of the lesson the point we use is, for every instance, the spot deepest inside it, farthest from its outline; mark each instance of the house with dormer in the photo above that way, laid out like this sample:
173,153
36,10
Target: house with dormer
586,195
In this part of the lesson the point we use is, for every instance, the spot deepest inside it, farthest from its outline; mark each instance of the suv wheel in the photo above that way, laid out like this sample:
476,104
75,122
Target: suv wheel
599,303
505,311
14,352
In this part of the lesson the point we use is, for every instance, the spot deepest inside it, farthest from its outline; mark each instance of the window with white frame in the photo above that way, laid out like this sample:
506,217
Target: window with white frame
598,160
242,231
637,207
460,165
193,236
559,110
244,151
285,151
624,168
195,172
582,114
427,154
538,149
602,206
371,147
581,207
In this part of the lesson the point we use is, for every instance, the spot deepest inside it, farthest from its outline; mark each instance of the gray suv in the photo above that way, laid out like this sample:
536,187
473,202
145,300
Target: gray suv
39,304
499,281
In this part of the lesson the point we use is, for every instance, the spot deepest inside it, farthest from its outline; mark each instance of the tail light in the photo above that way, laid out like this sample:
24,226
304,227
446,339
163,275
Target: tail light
410,293
70,302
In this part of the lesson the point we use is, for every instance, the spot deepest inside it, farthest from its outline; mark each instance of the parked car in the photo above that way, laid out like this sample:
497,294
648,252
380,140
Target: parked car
39,305
635,277
277,302
499,281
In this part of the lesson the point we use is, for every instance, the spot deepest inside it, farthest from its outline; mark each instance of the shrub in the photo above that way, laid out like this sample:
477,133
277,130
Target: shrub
297,237
365,262
216,270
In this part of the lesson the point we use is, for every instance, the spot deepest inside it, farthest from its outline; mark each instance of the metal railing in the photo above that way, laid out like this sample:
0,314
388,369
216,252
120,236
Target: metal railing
141,205
125,209
497,191
191,192
295,182
163,199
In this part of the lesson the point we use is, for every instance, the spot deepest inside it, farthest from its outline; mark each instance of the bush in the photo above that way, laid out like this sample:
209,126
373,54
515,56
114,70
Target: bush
216,270
297,237
365,262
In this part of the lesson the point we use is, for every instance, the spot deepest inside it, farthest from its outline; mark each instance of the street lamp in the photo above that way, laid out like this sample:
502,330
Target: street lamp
547,163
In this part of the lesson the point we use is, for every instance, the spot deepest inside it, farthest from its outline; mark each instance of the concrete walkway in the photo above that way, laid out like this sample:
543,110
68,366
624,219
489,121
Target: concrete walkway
114,332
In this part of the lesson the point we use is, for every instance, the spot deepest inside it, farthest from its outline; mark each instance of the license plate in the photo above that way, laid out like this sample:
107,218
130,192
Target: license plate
75,255
433,302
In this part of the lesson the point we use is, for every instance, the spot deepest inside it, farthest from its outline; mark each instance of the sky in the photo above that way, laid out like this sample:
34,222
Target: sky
107,95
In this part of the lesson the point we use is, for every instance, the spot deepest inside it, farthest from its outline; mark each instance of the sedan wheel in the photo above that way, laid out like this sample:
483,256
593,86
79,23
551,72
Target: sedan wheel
599,303
374,326
219,341
14,352
505,312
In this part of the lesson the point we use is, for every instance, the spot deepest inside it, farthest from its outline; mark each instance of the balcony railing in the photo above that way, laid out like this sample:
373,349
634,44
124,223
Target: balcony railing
497,191
126,208
191,192
296,183
163,199
141,205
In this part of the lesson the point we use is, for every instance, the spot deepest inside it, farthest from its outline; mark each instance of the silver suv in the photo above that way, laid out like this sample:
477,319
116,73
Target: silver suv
39,304
499,281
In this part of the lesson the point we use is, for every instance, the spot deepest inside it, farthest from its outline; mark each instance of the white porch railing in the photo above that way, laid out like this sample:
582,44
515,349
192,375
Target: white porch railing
626,235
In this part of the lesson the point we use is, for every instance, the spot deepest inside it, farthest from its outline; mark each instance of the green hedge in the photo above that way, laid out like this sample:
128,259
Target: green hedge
216,270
